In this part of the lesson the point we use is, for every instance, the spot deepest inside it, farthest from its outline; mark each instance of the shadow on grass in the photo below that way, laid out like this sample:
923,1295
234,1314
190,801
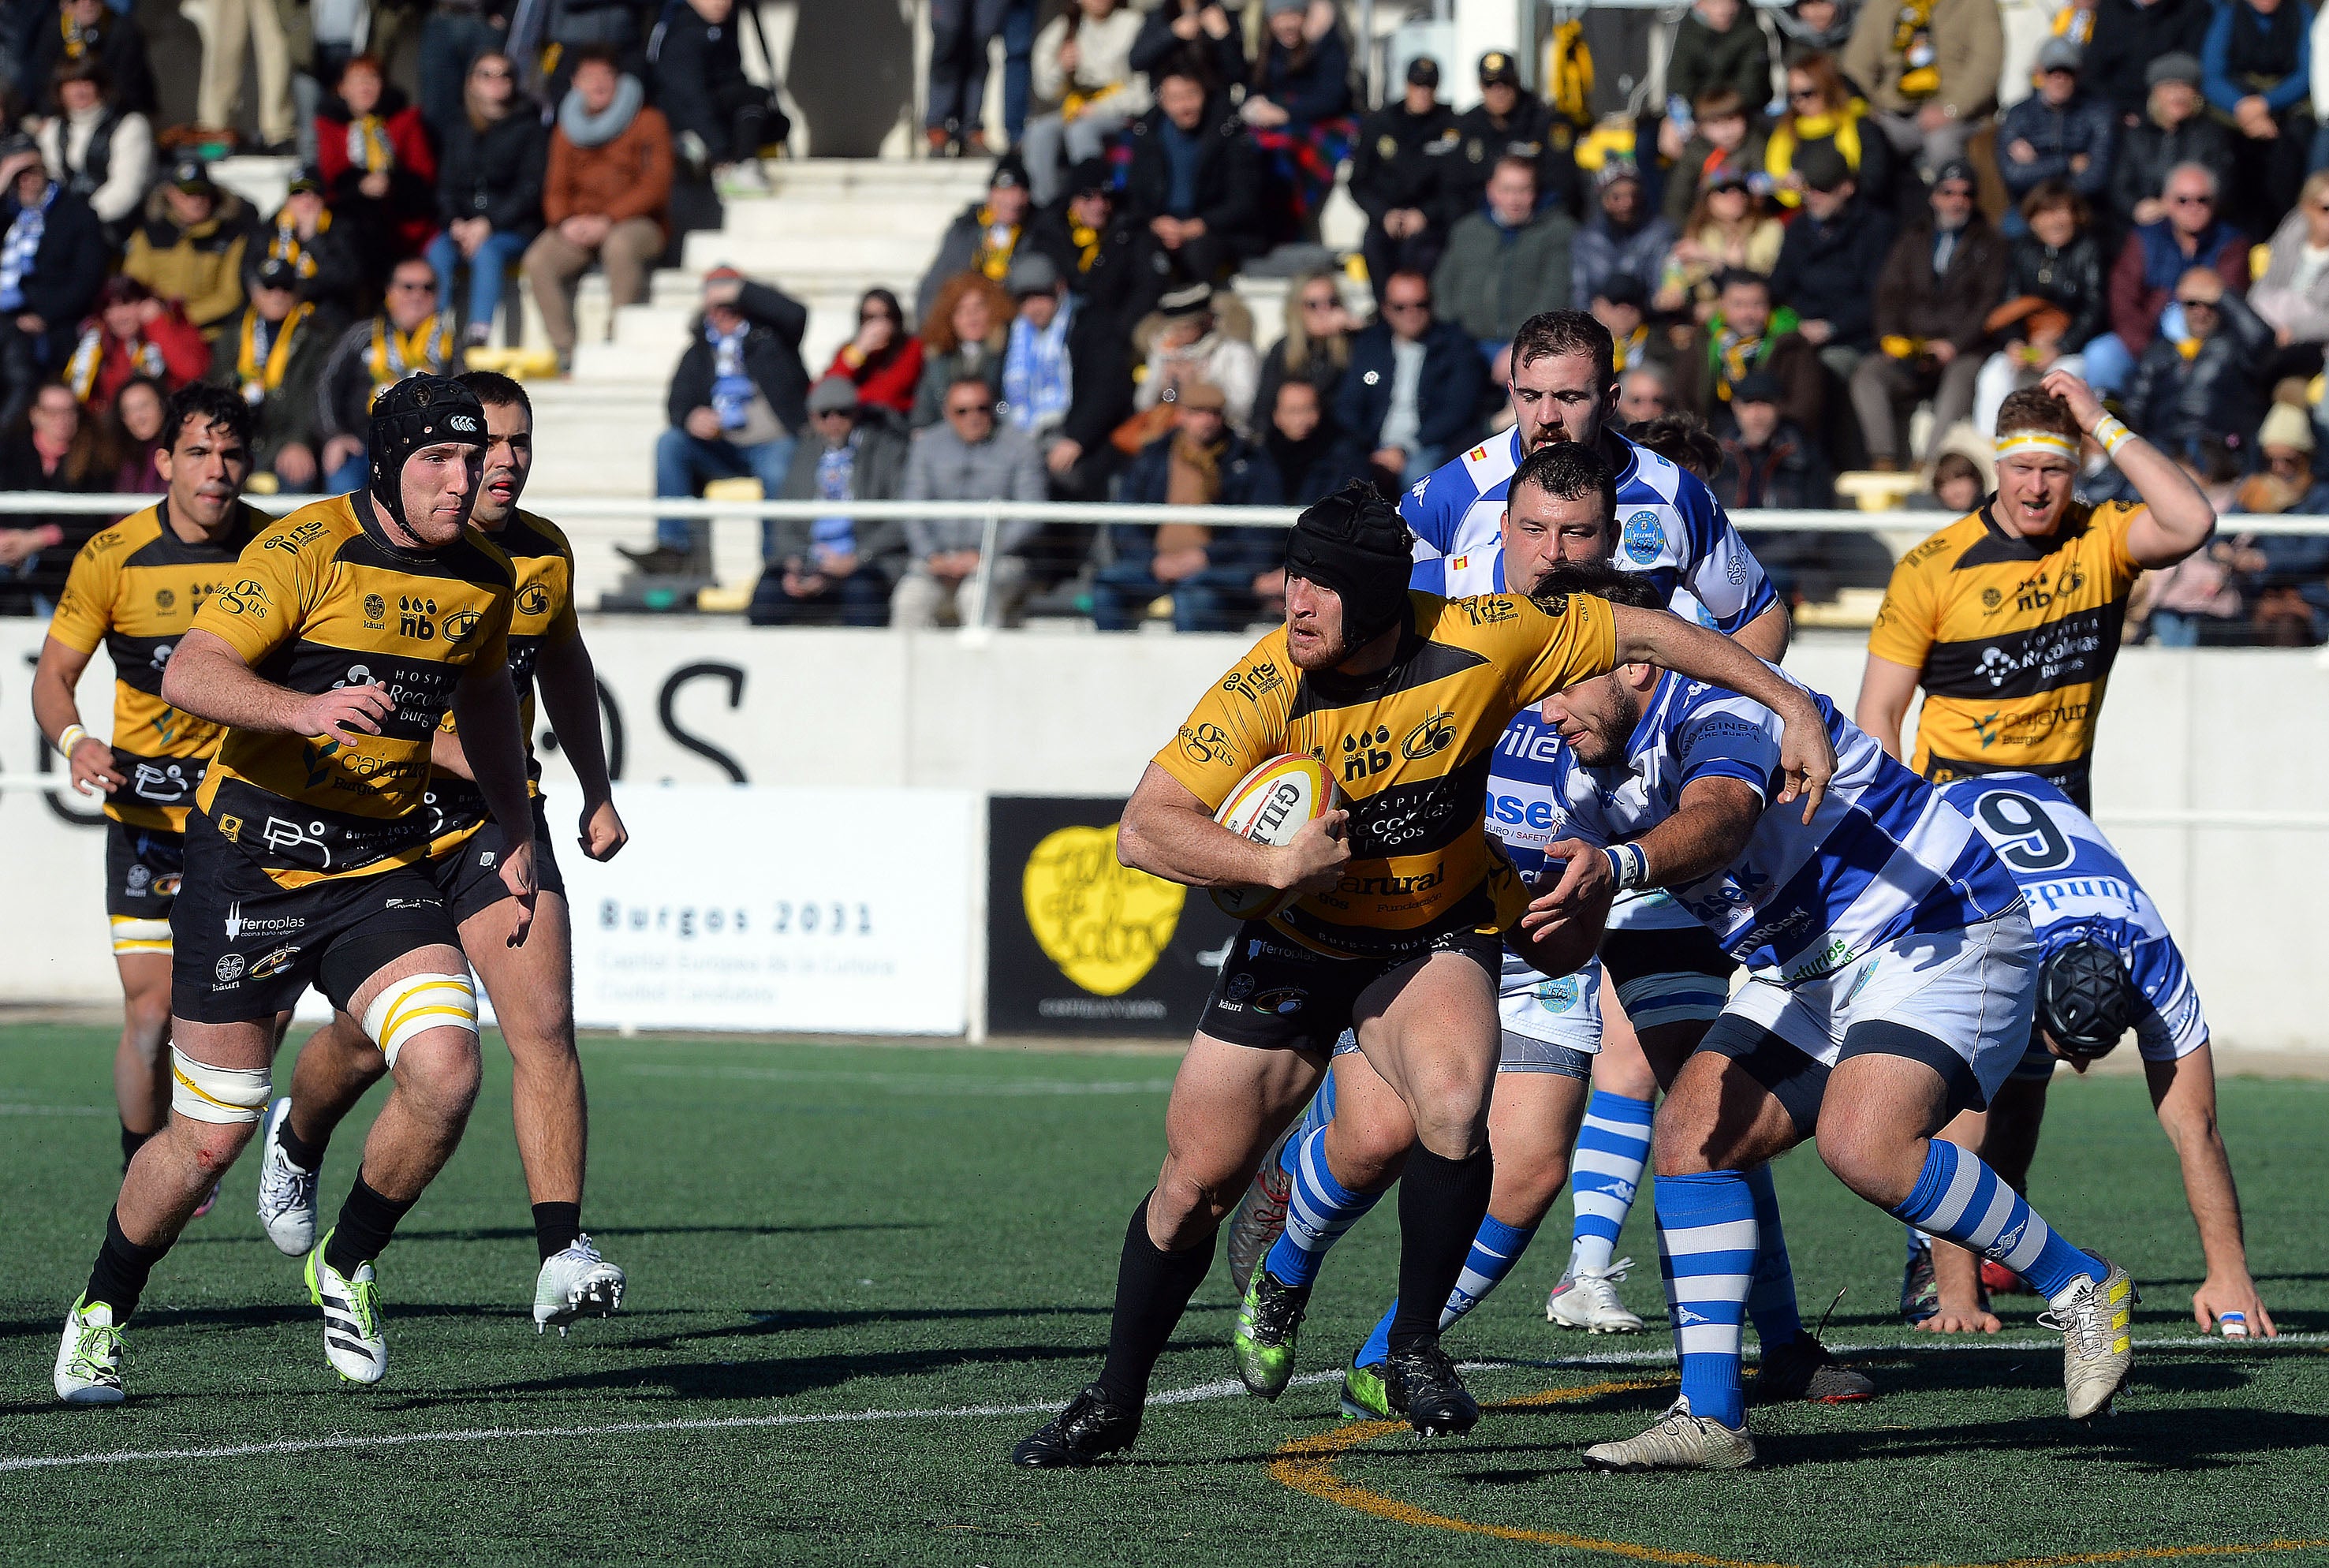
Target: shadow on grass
613,1235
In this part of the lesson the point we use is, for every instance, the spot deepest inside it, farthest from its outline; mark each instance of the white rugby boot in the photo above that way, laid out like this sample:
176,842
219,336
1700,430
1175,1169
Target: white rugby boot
1587,1298
286,1194
2097,1353
573,1283
1679,1442
88,1360
355,1342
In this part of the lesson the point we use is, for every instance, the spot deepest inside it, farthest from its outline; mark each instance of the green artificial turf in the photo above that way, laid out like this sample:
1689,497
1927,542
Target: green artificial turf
817,1231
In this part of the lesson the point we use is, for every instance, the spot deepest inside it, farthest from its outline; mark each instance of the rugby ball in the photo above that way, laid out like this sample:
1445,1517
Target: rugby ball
1270,806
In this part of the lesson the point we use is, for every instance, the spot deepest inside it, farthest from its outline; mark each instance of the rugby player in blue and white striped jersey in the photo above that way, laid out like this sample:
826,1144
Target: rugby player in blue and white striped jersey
1891,957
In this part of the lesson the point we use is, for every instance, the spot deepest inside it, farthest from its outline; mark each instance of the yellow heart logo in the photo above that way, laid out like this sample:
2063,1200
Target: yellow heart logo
1104,924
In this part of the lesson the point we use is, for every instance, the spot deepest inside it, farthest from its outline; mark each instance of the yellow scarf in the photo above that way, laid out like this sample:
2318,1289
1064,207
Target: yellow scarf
1634,343
397,354
287,245
1842,127
1912,41
258,368
2077,25
368,144
1086,243
79,44
996,241
88,357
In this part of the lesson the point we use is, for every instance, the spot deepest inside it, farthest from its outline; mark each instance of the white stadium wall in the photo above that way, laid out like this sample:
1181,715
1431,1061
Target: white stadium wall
868,753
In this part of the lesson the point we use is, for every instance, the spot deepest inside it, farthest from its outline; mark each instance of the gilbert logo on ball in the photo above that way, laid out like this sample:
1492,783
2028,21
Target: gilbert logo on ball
1270,806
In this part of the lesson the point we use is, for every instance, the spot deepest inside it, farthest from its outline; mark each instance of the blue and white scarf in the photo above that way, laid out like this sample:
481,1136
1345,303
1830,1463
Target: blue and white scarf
835,468
1037,380
24,243
732,389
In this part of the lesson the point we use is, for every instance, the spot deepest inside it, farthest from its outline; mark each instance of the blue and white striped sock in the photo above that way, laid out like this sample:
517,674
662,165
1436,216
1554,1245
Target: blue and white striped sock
1317,1211
1612,1148
1772,1298
1959,1199
1706,1250
1495,1251
1315,1116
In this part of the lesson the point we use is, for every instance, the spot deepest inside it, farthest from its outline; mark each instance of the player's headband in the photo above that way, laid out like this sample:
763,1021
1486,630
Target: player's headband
2046,443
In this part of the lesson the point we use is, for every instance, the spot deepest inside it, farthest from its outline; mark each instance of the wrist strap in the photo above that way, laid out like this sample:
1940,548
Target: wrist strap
73,736
1628,864
2112,434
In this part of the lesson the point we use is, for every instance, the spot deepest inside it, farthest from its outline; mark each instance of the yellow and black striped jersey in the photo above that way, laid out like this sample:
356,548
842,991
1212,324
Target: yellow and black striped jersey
135,589
541,614
322,599
2013,639
1411,746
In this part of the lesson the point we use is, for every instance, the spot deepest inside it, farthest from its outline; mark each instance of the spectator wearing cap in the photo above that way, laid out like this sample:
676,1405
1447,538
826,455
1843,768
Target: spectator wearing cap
1720,45
1722,141
1727,230
489,193
2257,71
1509,121
1933,298
2293,295
2206,380
965,332
1825,116
1745,335
1930,70
1622,306
52,259
307,237
1315,344
1767,459
2173,127
1297,104
2189,233
983,237
1837,244
274,355
378,164
133,333
1186,345
969,455
1083,75
838,568
190,249
1508,262
1202,35
605,196
410,335
884,360
95,149
1399,175
1193,184
1211,574
720,118
1093,240
2132,36
1412,394
92,30
2060,132
737,404
2284,578
1624,235
2054,304
1065,380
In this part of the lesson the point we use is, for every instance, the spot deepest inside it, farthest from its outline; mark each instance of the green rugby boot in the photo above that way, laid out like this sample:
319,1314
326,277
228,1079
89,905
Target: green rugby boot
1365,1396
1269,1324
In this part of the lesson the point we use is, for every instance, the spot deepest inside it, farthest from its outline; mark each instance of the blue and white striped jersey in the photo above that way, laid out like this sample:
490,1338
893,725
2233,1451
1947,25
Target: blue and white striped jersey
2079,889
1670,527
1885,857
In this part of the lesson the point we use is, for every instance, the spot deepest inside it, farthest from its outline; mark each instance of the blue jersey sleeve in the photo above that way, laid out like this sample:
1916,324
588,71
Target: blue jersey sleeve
1430,577
2174,1026
1725,736
1433,509
1723,574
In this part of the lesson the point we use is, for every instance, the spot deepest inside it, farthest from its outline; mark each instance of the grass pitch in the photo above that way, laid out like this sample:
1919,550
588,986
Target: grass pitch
857,1273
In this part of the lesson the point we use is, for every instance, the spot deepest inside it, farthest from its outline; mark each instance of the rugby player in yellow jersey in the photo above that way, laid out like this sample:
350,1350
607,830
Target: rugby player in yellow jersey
532,986
133,591
331,655
1398,929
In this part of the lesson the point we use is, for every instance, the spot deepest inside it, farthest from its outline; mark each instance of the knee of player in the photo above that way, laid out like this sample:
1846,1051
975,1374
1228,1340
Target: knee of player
1527,1184
214,1110
442,1069
1185,1210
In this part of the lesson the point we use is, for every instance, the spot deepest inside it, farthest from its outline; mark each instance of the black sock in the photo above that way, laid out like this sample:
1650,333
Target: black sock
131,1142
367,1221
307,1157
121,1271
1152,1290
555,1226
1441,1202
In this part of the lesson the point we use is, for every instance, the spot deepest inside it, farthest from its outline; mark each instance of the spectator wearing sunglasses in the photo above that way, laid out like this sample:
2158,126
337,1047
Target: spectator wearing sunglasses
2189,234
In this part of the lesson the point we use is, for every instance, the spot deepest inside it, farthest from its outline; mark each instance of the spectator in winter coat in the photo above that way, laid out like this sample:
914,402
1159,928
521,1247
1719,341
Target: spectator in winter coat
2054,302
1188,346
1297,105
190,249
1930,70
58,446
1095,243
2205,382
89,30
964,333
306,236
1935,294
1824,113
2175,128
379,166
1194,185
605,196
1398,176
489,193
274,355
1065,380
1201,36
1720,45
1509,122
1626,235
1082,70
721,117
1312,455
2057,133
838,568
2143,279
1314,345
1212,574
133,333
1727,230
884,360
52,259
1508,262
2132,36
409,334
1744,336
1722,141
1412,394
970,455
1768,461
2256,65
2293,295
95,149
1832,249
983,237
133,435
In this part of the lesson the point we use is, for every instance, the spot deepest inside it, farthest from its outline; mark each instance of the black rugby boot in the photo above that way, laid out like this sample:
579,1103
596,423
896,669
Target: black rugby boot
1092,1427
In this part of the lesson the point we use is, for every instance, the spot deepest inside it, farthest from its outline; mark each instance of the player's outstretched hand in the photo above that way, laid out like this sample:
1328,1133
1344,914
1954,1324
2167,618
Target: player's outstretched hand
1958,1320
517,875
2218,1294
603,833
1807,756
92,769
1314,858
332,715
1586,882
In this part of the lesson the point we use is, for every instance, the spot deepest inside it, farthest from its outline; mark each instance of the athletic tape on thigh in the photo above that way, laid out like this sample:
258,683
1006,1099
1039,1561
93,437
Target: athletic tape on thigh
1676,997
417,1002
219,1094
136,935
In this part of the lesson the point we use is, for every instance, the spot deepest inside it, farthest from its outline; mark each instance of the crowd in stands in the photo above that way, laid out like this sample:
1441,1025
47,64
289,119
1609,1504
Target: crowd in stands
1845,235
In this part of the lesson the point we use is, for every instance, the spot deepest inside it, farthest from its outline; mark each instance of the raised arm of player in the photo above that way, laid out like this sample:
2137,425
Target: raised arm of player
206,677
2176,519
1806,756
1168,832
2184,1093
1885,691
55,711
1708,829
568,685
485,707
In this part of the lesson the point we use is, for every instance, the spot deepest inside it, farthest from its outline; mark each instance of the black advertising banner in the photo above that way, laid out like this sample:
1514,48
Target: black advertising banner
1077,944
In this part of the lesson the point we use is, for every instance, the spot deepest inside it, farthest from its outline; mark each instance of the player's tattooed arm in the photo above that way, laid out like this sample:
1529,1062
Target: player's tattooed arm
206,677
90,761
569,684
1168,832
2183,1091
485,709
1806,756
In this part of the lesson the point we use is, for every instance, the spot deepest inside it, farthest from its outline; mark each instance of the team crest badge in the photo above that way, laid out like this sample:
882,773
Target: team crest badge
1558,995
1643,537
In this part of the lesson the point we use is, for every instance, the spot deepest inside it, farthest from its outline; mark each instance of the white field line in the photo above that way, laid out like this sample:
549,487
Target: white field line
1225,1389
910,1082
